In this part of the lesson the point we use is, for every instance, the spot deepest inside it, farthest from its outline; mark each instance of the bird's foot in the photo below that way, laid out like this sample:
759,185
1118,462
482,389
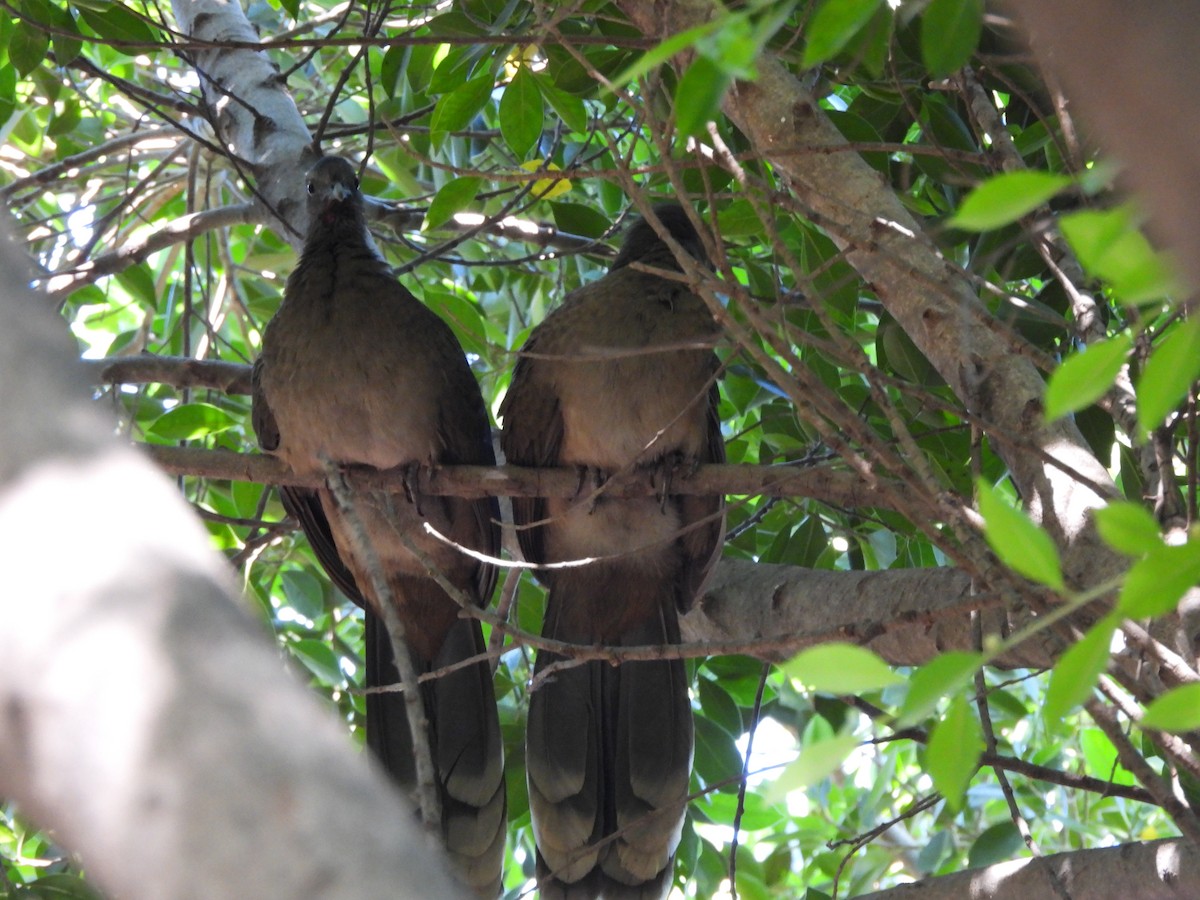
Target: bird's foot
594,478
663,471
411,479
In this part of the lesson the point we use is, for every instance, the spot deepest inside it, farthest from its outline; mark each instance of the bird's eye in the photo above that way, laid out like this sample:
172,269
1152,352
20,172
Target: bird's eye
311,188
356,182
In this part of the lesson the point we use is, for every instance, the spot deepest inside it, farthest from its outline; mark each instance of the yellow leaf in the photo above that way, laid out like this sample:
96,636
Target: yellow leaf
547,188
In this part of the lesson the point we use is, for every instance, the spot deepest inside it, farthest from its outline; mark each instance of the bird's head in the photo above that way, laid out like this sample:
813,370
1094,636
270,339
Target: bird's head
642,243
332,186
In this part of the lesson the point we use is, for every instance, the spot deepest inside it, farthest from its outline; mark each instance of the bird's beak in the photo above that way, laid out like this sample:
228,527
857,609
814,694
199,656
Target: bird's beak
339,192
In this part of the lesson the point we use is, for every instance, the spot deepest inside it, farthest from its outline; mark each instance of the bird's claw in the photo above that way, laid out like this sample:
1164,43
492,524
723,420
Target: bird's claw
411,479
596,478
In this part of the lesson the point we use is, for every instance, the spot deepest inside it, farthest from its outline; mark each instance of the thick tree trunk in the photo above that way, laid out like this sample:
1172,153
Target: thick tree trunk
251,111
147,718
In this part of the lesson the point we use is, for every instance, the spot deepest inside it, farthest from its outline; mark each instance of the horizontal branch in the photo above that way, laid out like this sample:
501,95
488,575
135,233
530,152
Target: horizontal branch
817,482
176,231
908,616
176,371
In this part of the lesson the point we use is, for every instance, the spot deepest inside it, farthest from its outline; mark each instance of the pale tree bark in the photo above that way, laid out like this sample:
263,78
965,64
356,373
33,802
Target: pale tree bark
252,112
1154,870
147,719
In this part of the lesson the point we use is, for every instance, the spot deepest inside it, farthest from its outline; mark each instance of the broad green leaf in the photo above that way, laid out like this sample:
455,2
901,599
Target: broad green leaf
115,22
698,95
319,659
1020,544
568,107
576,218
1128,528
999,843
1005,198
718,706
1084,377
139,282
1154,586
27,48
8,92
952,756
59,886
817,760
950,32
66,38
521,112
452,197
1076,672
941,676
832,27
716,754
456,109
191,421
739,219
1110,246
1176,710
1100,757
655,57
1168,375
838,668
303,592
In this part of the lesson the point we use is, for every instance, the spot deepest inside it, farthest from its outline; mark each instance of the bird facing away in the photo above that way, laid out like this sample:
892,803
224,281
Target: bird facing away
354,370
609,748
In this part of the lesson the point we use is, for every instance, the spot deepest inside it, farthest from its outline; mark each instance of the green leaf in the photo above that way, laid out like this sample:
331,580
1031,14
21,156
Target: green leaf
139,282
452,197
952,756
1109,246
832,27
838,668
66,37
656,56
1076,672
27,48
521,112
1128,528
716,754
1168,375
303,592
59,886
456,109
8,92
1020,544
191,421
576,218
1084,377
997,844
817,760
718,706
568,107
1005,198
739,219
319,659
115,22
941,676
698,95
1176,710
950,32
1154,586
